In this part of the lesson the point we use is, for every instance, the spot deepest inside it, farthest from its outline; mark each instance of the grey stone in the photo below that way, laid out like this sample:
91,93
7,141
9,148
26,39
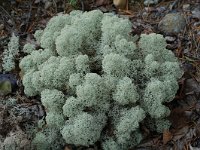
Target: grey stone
172,23
170,39
186,7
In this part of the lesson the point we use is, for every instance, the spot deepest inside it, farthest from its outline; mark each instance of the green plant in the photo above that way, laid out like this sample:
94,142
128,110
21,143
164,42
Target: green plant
93,76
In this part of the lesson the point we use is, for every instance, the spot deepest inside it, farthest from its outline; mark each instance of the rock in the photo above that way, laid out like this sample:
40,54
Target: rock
172,23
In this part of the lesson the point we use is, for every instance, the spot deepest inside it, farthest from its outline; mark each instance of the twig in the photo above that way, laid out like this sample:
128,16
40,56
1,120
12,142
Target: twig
55,5
64,2
173,4
82,5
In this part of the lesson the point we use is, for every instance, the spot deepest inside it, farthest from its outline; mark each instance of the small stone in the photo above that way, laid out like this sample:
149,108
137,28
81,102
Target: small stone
170,39
186,7
172,23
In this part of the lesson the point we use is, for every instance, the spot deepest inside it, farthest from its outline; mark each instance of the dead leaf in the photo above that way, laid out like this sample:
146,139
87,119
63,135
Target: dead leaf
67,148
179,118
167,136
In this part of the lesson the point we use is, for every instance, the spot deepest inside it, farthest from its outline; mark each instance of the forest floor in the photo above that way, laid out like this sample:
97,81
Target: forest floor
19,114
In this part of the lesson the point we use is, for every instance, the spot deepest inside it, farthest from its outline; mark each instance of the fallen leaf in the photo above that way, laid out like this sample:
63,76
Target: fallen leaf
167,136
67,148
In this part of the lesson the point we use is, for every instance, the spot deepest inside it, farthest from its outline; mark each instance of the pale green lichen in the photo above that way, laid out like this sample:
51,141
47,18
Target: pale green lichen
92,75
128,123
28,48
116,65
126,92
84,129
10,53
49,138
38,35
50,97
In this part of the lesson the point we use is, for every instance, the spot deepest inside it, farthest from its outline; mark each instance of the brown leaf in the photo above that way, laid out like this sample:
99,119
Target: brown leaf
167,136
67,148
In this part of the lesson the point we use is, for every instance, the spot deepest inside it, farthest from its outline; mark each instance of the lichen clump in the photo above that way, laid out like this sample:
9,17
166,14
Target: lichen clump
10,53
97,83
